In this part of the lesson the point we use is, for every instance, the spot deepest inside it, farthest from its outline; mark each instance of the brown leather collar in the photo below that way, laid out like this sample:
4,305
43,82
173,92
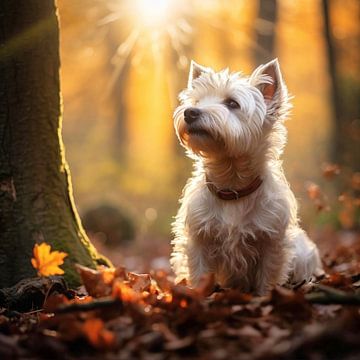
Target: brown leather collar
230,194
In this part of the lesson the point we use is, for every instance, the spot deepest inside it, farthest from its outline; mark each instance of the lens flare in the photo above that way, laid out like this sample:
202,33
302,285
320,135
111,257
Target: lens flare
152,13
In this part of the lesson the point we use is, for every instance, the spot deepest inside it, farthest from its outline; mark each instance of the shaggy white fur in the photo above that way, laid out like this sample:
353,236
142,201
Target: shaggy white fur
235,133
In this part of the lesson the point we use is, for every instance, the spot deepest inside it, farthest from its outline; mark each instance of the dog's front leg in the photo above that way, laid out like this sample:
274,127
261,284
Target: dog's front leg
270,268
197,264
306,263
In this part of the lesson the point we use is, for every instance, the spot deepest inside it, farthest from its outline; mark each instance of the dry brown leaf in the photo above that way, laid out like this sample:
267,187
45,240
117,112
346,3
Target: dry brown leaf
139,282
290,304
313,191
347,213
330,170
317,197
54,301
355,181
179,343
98,283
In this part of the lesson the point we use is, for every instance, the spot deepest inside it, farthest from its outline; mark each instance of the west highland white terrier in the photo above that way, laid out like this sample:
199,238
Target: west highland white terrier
238,216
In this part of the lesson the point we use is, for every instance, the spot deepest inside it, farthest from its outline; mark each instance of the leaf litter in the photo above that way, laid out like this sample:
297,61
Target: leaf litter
119,314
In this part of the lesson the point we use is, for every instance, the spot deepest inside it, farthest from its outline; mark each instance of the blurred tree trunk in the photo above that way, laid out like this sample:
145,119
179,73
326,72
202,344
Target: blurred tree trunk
36,202
119,76
265,31
337,146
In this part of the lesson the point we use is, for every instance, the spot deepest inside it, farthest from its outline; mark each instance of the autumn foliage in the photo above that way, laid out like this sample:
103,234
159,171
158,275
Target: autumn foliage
125,315
47,262
129,315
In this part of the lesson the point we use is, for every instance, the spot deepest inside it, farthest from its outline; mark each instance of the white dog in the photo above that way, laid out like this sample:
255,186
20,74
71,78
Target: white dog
238,216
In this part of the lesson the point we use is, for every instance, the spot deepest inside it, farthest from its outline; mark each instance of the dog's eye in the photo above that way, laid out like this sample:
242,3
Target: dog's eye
232,104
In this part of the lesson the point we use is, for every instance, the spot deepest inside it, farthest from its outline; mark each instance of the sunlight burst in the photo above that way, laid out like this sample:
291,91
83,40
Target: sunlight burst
156,25
152,13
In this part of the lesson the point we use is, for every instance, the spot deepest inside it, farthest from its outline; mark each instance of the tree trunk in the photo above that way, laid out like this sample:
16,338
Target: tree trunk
117,91
337,146
265,31
36,202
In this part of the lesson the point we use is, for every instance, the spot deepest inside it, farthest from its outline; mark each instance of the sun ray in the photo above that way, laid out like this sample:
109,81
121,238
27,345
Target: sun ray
123,52
157,24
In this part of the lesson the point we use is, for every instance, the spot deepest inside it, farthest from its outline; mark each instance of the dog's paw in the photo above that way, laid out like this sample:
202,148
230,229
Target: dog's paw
306,264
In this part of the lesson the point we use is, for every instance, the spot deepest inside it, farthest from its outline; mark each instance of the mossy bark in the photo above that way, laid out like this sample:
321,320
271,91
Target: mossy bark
36,202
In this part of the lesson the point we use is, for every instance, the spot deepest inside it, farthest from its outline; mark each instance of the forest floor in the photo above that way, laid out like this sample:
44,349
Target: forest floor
119,314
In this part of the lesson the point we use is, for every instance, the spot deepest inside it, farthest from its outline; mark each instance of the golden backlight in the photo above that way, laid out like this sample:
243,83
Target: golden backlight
125,61
152,13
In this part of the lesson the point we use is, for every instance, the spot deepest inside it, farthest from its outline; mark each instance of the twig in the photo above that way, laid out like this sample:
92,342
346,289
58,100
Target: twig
93,305
329,295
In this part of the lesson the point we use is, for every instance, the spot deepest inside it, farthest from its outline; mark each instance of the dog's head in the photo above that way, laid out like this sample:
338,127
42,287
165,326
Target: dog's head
228,113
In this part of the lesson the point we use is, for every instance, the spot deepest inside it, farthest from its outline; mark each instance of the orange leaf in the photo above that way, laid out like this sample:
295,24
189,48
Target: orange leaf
124,292
355,181
330,170
313,191
96,333
47,262
98,283
317,197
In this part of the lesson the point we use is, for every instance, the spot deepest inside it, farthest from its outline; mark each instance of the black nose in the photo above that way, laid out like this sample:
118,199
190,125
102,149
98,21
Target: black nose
191,115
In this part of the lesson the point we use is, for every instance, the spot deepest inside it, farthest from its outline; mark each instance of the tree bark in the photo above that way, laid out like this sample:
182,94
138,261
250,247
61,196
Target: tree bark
36,201
116,94
265,31
337,146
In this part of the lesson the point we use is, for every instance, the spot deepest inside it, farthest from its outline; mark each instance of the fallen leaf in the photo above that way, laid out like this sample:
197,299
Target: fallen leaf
290,304
179,343
152,341
54,301
124,292
337,280
139,282
97,282
317,197
164,329
313,191
96,333
330,170
347,213
47,262
355,181
329,310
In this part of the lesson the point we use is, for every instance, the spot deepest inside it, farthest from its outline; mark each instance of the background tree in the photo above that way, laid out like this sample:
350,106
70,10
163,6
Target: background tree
344,89
265,31
337,147
36,202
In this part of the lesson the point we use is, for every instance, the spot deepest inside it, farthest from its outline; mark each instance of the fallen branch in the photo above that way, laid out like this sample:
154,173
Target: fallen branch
329,295
89,306
30,294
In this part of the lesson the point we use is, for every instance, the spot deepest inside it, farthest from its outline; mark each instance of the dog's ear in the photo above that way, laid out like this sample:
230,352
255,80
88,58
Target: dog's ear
268,79
195,71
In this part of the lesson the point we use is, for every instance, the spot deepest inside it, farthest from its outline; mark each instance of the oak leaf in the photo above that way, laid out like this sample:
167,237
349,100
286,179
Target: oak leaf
47,262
